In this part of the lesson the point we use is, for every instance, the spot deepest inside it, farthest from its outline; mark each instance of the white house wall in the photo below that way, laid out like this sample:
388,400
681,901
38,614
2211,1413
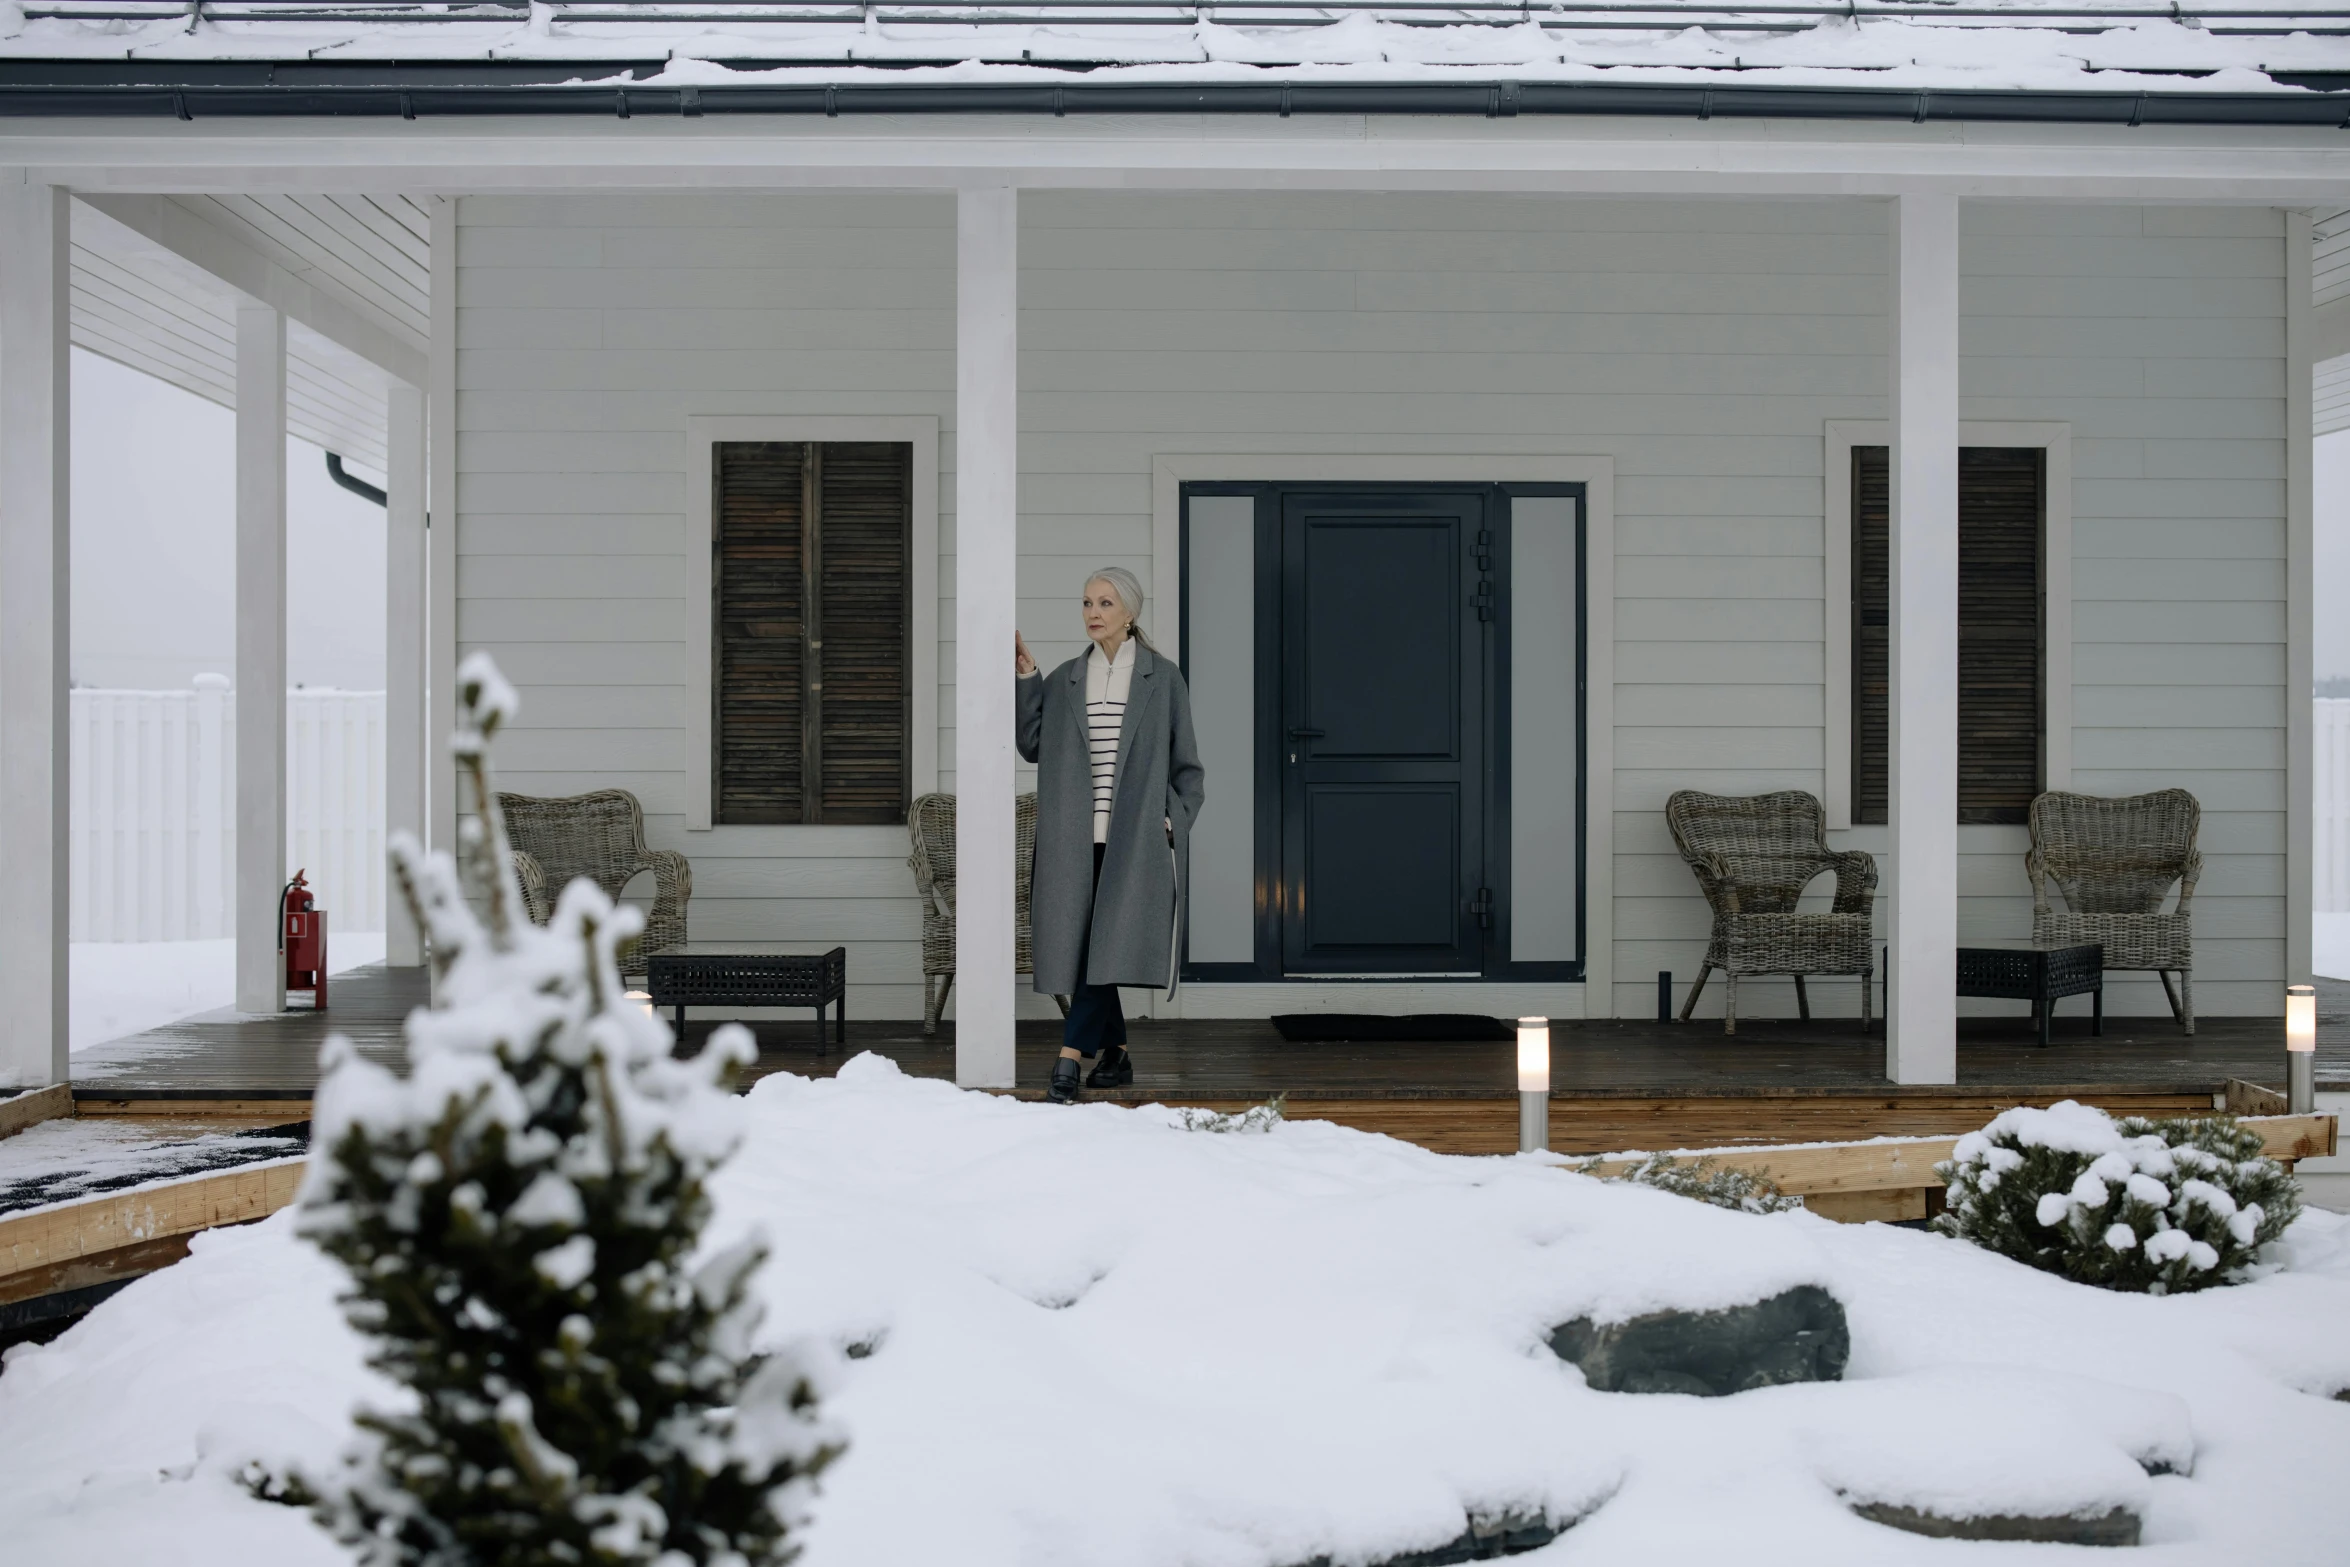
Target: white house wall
589,331
1699,345
2158,334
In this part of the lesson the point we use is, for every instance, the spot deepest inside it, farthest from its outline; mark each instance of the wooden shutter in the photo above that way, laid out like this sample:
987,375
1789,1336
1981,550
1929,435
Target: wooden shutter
865,509
760,657
2001,689
813,693
1872,668
1999,684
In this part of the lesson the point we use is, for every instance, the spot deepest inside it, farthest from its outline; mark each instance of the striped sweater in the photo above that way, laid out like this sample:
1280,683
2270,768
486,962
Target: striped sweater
1106,684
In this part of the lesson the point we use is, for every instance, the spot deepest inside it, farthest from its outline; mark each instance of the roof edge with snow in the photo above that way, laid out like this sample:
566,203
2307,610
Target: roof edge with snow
208,89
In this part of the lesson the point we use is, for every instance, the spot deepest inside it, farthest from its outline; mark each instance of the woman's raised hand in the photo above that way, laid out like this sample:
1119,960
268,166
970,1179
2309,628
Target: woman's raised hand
1023,662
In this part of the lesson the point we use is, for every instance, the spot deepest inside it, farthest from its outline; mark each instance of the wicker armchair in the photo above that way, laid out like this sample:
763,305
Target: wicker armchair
2115,860
1753,857
600,836
931,824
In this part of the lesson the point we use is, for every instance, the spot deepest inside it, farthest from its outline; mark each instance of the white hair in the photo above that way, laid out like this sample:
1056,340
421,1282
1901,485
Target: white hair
1122,582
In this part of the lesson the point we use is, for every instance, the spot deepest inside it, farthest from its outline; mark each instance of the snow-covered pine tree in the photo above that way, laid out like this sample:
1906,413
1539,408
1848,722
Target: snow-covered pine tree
2161,1207
519,1216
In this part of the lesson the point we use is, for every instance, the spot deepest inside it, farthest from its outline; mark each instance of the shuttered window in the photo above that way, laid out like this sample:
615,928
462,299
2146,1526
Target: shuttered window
2001,631
812,579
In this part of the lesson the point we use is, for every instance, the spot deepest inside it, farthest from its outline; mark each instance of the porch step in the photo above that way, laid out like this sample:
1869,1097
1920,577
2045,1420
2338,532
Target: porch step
1488,1124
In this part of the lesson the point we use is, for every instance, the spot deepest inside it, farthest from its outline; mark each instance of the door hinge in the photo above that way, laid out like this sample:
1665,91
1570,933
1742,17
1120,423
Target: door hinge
1484,598
1483,908
1484,549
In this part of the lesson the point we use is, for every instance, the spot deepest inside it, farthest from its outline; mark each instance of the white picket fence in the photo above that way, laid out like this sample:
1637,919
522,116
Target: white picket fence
2332,850
153,837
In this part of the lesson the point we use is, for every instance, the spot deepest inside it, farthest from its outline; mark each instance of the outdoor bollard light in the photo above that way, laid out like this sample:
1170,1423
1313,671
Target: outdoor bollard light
1533,1084
2300,1049
643,998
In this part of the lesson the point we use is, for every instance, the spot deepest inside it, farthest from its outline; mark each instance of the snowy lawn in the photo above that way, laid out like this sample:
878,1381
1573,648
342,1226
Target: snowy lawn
127,987
1088,1338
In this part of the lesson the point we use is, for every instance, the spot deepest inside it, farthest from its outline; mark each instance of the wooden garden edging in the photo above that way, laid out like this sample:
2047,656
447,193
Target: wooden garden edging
33,1107
1907,1163
40,1248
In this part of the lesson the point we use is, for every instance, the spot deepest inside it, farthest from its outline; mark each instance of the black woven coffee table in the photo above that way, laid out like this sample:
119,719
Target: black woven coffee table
763,979
2020,971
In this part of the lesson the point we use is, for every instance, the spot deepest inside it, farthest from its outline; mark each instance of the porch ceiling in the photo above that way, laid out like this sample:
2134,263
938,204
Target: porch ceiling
2329,284
144,306
376,251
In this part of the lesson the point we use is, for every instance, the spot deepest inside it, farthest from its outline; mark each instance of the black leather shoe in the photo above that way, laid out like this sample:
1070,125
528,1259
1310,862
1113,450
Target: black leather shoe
1116,1069
1063,1088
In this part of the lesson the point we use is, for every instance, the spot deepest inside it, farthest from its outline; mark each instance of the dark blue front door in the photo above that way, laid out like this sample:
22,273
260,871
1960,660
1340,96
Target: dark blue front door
1385,610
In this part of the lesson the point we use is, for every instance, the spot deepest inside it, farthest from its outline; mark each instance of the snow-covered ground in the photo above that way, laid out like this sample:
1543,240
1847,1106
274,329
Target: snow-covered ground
124,987
1089,1337
2333,945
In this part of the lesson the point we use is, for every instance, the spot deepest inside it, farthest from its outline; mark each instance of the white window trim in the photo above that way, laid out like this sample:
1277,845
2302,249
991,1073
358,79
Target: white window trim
701,433
1597,475
2056,670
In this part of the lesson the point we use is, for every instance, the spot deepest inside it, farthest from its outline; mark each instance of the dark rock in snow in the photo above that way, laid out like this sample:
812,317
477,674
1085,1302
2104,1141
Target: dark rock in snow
2119,1527
1486,1539
1796,1336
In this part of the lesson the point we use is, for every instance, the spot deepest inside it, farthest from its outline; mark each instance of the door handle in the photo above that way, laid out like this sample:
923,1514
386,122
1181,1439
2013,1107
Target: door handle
1305,734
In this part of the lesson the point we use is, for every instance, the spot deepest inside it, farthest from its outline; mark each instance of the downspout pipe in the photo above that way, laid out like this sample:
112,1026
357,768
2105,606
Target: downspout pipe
352,482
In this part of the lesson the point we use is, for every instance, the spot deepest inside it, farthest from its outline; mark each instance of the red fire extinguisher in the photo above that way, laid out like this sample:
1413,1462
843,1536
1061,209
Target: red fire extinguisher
302,936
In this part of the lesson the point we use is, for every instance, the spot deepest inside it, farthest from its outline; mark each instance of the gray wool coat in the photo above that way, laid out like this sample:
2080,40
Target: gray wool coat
1134,919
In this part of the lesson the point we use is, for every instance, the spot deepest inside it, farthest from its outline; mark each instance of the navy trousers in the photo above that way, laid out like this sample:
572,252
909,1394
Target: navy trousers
1095,1017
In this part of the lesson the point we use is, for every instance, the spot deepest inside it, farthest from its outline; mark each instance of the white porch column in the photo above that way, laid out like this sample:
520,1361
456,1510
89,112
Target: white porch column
261,654
440,553
404,742
987,466
35,554
2300,605
1921,1023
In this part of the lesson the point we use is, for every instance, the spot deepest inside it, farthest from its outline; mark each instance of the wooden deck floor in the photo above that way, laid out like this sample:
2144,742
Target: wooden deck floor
221,1057
218,1056
1244,1058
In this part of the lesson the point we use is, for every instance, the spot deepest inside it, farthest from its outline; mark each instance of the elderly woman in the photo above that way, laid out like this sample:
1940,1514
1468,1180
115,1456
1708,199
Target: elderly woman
1110,732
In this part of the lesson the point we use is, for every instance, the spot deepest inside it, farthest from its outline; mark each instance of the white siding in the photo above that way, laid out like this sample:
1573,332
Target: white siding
2159,335
1701,346
589,330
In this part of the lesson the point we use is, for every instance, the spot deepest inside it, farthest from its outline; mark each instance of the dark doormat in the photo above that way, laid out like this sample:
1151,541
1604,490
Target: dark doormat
1322,1028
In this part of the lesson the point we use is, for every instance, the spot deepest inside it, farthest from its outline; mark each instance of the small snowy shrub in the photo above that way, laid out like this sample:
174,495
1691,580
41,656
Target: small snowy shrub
1707,1182
2154,1206
519,1216
1256,1118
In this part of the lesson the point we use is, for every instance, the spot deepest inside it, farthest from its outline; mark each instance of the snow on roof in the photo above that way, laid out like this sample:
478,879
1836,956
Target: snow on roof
2024,45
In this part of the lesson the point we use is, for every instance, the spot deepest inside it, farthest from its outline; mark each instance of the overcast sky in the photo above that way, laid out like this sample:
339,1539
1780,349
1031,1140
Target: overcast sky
2333,556
153,547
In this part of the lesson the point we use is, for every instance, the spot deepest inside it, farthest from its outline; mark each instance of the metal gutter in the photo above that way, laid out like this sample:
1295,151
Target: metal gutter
414,90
